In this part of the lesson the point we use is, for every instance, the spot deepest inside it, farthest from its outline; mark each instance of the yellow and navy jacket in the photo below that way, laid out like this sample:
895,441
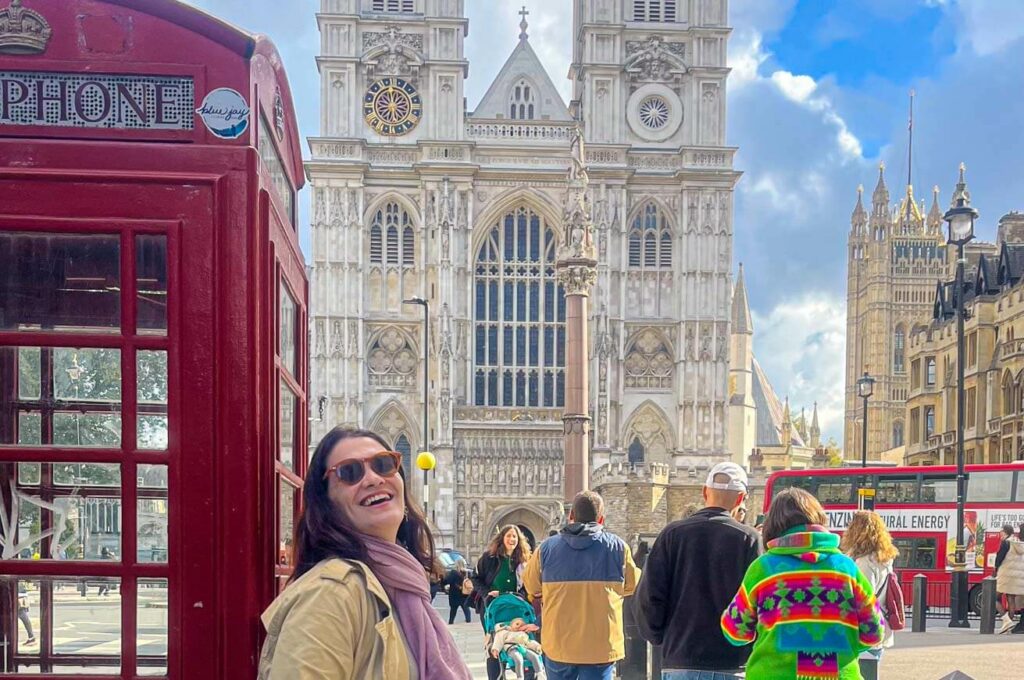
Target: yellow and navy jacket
581,576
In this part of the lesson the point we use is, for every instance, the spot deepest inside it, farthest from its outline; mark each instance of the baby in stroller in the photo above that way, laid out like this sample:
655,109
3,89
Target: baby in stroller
514,640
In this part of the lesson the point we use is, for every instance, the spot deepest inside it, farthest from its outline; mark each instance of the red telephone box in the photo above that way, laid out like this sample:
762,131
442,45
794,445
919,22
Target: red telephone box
153,349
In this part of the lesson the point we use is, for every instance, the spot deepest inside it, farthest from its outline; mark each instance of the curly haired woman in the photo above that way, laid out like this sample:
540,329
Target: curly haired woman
868,543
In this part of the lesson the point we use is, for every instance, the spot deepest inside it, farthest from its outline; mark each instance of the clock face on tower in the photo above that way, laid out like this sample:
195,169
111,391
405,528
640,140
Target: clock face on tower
392,106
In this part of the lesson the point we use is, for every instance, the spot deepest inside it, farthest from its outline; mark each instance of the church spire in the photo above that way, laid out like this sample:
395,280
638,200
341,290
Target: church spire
741,322
815,430
523,35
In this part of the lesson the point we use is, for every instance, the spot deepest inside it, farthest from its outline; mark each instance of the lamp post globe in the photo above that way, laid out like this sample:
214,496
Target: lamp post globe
865,388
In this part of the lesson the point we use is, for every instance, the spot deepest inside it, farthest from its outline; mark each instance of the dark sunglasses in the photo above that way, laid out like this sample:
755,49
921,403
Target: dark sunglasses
352,470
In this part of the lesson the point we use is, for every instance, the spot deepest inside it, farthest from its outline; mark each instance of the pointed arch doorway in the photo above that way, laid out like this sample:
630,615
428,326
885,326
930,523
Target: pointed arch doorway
532,524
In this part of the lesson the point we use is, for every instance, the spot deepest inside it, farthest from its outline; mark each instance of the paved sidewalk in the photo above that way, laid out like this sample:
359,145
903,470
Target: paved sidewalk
470,639
942,650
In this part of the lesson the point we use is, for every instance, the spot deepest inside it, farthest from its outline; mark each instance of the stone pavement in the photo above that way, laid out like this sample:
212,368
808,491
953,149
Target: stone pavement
916,656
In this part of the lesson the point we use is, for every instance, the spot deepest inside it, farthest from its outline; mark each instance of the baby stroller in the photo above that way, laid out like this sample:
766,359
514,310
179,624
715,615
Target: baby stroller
502,610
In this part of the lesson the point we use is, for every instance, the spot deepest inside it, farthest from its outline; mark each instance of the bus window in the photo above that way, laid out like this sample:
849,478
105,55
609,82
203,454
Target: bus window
938,489
838,490
896,489
1020,487
906,548
915,553
990,486
806,483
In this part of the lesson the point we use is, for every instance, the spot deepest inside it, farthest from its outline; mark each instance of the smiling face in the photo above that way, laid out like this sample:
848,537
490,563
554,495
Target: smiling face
375,505
510,540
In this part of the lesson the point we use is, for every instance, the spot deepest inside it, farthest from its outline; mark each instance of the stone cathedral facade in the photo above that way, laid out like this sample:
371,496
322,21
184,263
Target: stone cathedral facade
416,196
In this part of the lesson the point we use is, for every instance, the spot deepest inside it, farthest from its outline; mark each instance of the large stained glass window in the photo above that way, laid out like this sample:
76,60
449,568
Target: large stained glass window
519,315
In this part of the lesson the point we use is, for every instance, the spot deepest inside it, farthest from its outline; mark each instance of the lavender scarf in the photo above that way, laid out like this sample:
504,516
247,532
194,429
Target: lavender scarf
405,581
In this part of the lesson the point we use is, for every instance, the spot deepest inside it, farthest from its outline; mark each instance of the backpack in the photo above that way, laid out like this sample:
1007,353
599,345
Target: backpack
894,611
467,586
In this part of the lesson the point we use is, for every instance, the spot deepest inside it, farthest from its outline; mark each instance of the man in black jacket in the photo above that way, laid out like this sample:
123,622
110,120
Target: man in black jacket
691,576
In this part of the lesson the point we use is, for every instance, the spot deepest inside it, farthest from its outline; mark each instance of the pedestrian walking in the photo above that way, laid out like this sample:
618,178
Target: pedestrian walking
436,575
23,614
459,587
1010,577
500,569
357,606
867,542
694,569
807,608
582,576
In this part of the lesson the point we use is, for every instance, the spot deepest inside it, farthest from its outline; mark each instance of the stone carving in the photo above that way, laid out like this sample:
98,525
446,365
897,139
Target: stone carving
705,343
474,517
577,280
353,338
655,60
460,515
723,348
392,52
709,112
337,339
692,211
391,360
648,425
320,344
320,211
648,362
691,347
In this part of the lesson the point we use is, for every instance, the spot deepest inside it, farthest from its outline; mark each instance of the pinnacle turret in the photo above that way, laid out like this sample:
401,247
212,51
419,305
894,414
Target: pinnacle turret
815,430
741,321
859,218
935,213
960,193
880,197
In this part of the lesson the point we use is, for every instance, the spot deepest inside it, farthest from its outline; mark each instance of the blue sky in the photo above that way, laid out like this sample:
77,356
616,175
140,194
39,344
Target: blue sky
817,97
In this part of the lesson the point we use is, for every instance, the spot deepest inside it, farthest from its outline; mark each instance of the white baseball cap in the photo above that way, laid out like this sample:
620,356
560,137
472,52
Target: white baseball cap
737,477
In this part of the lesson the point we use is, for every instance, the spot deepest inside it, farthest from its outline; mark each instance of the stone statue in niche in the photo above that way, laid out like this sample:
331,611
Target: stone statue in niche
460,473
723,349
502,475
461,517
474,517
705,344
515,476
489,475
691,352
544,475
529,475
336,338
475,475
693,213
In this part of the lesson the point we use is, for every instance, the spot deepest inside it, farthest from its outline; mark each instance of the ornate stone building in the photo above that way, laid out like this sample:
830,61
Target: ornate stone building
994,366
895,255
414,195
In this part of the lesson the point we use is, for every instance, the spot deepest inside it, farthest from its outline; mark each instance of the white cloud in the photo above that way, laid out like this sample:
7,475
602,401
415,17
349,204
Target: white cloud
800,344
988,26
798,88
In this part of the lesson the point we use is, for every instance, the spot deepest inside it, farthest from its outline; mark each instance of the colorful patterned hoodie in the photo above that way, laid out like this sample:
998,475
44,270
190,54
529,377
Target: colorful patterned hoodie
806,607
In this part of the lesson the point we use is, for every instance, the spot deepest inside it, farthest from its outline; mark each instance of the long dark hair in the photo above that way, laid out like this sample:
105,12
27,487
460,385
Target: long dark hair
322,532
791,508
521,554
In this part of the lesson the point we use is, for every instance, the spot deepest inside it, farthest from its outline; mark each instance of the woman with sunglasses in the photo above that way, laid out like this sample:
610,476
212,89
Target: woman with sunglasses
358,605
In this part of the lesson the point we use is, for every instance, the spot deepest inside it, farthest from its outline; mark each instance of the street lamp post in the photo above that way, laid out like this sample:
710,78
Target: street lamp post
960,218
865,388
426,391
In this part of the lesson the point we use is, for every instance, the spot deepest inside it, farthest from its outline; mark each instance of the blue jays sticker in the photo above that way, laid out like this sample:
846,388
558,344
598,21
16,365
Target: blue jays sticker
225,113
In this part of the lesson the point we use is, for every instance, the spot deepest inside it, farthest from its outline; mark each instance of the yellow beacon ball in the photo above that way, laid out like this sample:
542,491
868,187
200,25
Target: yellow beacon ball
426,461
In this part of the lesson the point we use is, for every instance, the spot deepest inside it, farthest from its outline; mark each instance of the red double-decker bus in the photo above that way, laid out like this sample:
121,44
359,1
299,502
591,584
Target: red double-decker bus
918,505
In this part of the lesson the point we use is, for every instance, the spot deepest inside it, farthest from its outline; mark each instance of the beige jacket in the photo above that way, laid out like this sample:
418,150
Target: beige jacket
1010,577
334,623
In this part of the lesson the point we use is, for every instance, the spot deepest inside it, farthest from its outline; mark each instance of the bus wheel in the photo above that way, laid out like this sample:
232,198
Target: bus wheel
974,600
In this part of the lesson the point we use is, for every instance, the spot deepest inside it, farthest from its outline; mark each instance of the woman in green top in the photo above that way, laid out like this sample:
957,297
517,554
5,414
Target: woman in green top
500,568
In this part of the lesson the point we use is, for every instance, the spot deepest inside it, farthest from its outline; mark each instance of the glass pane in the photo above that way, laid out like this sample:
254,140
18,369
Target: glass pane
30,428
285,522
286,330
151,626
24,623
1020,487
60,282
28,373
28,474
87,620
286,451
69,396
86,474
990,486
151,393
938,489
835,490
151,284
896,489
99,430
151,513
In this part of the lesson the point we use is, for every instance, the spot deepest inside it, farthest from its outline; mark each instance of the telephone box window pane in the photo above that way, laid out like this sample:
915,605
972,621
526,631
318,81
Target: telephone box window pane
151,627
94,630
87,374
60,282
151,284
285,522
286,331
287,445
151,519
28,474
23,619
30,429
89,430
29,371
86,474
151,393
